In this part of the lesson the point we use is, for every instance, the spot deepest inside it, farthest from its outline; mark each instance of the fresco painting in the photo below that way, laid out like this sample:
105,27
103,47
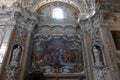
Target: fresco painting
56,52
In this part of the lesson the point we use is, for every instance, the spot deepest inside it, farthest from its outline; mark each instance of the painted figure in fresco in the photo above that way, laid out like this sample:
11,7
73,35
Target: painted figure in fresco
56,52
97,56
68,57
15,54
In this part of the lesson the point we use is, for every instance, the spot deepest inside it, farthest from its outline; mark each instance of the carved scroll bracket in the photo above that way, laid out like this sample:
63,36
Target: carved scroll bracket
23,19
12,72
10,24
102,72
91,26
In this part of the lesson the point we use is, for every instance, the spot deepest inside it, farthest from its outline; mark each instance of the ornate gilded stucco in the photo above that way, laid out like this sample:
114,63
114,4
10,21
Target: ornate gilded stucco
94,31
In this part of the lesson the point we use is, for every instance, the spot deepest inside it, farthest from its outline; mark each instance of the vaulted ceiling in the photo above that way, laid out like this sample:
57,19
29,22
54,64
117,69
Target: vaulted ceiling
112,5
85,7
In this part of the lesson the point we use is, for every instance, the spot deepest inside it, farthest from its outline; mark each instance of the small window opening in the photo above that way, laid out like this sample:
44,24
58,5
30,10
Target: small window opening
58,13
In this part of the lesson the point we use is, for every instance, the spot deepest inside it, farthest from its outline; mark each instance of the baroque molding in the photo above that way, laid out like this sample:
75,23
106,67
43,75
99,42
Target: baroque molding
22,19
86,7
91,26
102,73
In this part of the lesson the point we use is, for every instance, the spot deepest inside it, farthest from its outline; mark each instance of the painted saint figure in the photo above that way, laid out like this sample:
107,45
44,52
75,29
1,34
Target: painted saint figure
15,54
97,56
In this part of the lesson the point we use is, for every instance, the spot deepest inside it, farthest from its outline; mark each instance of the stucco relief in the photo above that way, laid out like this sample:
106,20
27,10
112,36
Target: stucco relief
56,29
101,73
86,7
22,19
21,32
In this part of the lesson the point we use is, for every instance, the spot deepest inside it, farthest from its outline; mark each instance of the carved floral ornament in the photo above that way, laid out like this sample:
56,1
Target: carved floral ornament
85,7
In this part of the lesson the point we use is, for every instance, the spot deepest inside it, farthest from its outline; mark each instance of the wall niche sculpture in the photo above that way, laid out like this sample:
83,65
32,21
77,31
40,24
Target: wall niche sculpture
98,55
14,61
16,53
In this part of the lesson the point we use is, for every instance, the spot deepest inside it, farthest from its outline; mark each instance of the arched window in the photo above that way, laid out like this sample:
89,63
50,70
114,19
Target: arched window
57,13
